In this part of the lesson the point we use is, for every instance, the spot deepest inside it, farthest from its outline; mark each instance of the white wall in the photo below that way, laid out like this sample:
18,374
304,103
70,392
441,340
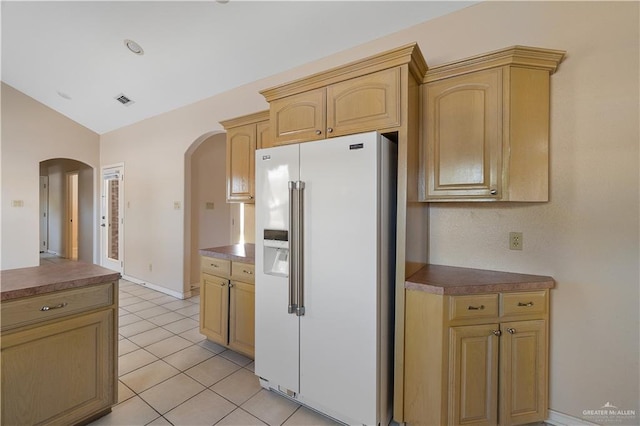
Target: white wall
209,227
31,133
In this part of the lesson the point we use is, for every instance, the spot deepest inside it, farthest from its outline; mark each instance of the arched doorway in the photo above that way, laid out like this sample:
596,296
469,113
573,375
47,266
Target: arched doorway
67,209
208,217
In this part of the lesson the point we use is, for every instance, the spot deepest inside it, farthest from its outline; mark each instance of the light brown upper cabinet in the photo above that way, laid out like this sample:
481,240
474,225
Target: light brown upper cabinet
263,133
485,134
244,135
364,103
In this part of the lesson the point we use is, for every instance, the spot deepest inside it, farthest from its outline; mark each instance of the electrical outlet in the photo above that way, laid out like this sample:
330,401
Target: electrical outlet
176,205
150,267
516,241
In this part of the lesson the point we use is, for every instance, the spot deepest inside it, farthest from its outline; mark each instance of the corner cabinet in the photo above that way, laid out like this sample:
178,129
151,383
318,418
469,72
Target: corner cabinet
485,130
227,303
358,104
244,135
59,364
479,359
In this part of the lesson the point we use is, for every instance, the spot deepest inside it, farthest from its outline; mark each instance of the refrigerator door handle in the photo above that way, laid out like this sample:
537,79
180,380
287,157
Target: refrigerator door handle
292,251
300,250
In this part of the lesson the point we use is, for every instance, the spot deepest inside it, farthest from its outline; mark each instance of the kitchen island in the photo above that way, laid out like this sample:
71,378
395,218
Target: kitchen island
227,296
59,343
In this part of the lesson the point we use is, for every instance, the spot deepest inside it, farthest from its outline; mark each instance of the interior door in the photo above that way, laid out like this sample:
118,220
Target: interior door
44,214
72,216
112,218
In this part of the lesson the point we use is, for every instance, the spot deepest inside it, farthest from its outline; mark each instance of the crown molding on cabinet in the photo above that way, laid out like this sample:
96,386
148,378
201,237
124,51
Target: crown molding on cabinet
245,119
520,56
408,54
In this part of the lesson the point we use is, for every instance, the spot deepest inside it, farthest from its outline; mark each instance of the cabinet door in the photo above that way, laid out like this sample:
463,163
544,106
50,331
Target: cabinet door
523,372
61,372
463,134
298,118
362,104
242,317
473,375
214,308
263,134
241,148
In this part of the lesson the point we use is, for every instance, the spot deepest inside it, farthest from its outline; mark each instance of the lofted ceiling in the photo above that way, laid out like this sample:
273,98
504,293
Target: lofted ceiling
71,55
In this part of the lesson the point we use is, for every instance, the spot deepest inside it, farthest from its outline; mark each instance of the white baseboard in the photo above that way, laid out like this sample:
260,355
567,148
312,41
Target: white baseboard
560,419
159,288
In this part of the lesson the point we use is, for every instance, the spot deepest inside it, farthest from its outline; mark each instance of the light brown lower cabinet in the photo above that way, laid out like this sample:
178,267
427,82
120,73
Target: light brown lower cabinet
59,367
476,359
242,317
227,304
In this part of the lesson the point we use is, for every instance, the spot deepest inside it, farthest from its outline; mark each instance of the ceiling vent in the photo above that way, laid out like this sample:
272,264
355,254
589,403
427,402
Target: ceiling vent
124,99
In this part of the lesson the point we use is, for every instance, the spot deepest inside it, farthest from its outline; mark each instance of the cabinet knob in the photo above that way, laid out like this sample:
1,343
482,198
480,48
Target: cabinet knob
511,330
330,130
494,191
475,308
223,284
528,304
318,132
247,272
230,285
497,332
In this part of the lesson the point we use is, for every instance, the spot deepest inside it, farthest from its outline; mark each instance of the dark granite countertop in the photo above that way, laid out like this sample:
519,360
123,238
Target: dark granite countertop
452,280
24,282
236,252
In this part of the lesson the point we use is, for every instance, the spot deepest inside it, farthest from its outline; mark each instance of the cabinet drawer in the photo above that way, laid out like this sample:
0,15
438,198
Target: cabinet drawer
20,312
523,303
243,272
473,306
215,266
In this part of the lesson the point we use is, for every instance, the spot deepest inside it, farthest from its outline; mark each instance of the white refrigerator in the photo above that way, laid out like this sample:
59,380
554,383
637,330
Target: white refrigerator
325,266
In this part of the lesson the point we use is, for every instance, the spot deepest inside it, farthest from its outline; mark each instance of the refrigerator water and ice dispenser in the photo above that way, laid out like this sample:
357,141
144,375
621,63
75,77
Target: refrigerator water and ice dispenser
276,252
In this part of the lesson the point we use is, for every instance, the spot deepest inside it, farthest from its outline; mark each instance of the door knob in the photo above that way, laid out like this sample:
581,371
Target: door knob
103,225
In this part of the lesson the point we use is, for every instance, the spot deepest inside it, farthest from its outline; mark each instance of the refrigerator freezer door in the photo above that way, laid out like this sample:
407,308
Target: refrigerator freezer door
339,330
277,331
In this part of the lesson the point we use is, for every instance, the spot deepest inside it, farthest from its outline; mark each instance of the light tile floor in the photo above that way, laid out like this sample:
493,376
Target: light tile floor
169,374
